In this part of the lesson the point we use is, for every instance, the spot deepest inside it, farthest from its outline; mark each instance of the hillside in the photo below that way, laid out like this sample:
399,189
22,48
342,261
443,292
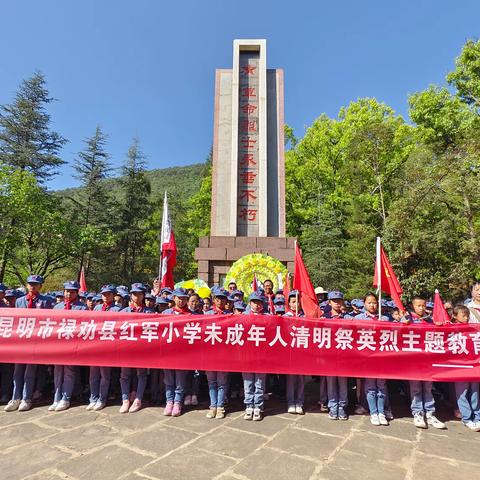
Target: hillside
179,182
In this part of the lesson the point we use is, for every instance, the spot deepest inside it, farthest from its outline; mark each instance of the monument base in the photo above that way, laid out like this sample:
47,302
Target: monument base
215,255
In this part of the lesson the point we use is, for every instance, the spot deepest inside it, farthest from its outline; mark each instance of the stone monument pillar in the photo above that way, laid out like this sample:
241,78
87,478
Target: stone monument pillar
248,170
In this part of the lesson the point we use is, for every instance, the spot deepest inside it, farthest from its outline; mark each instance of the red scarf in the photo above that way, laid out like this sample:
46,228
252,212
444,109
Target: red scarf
271,306
106,306
67,305
217,310
135,309
31,300
182,311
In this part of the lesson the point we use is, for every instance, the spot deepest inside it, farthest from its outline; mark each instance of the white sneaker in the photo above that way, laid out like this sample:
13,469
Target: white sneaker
194,400
433,421
419,420
257,414
248,415
62,405
25,405
99,406
188,400
91,405
292,409
474,426
374,420
383,419
299,410
11,406
52,407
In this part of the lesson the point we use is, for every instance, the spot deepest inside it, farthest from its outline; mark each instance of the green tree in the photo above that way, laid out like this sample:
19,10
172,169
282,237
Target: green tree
26,139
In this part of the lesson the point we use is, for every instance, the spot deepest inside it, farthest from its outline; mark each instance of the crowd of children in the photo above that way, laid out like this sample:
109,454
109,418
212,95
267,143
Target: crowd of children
22,384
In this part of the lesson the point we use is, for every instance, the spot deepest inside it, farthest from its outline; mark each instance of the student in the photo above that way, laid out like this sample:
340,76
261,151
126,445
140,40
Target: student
217,381
376,388
137,305
423,403
239,307
337,387
254,383
269,295
175,379
295,383
467,393
99,377
474,305
64,375
24,375
150,301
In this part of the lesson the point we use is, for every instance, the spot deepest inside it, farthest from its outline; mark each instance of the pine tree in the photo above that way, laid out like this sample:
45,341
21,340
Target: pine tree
135,208
26,140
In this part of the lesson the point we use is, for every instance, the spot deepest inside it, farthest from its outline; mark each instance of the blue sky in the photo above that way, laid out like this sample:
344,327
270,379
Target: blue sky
147,68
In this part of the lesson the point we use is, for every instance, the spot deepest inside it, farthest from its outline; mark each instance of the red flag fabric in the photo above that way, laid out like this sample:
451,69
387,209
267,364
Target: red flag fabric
254,282
302,283
168,249
440,315
82,281
388,281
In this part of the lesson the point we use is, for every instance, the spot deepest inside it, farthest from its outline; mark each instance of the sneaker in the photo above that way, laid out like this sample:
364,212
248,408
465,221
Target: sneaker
257,414
220,413
299,410
37,395
62,405
374,420
434,422
342,416
188,400
194,400
383,419
360,410
91,405
52,407
292,409
99,406
474,426
125,406
248,415
25,405
323,408
212,412
177,409
332,415
389,415
12,405
136,406
419,420
168,409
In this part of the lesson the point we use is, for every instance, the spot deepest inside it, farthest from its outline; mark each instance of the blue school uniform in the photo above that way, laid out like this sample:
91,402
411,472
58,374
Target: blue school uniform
375,388
24,376
295,383
64,375
126,372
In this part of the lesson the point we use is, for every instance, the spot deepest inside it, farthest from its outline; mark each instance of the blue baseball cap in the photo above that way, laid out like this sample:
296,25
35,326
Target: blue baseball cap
279,301
9,292
161,301
219,292
71,285
238,293
279,308
97,298
239,305
335,295
180,292
169,298
149,296
108,289
82,294
166,290
90,295
137,288
293,293
35,279
3,287
256,296
279,291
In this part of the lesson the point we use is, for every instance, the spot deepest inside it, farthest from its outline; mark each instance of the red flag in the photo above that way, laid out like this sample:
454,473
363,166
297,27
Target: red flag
168,248
254,282
302,283
83,282
440,315
388,281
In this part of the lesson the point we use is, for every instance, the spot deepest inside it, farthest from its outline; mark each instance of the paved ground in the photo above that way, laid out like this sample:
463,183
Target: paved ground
77,444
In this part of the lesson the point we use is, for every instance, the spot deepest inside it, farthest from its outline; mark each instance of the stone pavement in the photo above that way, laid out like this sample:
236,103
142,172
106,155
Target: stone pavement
77,444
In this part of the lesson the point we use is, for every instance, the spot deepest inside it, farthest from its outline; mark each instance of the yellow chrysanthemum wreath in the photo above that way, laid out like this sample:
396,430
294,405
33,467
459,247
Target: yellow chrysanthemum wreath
262,265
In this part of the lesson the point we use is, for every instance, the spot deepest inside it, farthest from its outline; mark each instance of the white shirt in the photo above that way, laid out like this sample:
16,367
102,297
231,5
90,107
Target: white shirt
476,307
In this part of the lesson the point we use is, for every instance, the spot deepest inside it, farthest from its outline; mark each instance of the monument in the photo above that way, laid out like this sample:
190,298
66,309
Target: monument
248,165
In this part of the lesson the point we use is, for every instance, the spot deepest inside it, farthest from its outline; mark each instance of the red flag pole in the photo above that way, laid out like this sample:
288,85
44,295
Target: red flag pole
379,276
